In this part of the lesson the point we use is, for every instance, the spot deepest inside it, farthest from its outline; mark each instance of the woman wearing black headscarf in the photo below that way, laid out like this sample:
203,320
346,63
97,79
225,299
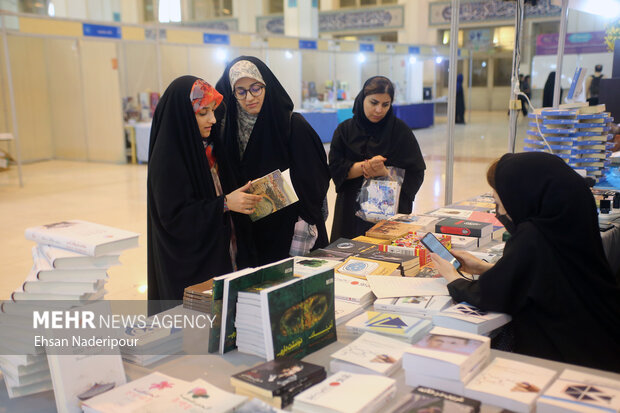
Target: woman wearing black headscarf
191,236
548,91
553,278
363,146
262,134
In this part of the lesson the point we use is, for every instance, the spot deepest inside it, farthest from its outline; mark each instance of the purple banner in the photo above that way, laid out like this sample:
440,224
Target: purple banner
576,43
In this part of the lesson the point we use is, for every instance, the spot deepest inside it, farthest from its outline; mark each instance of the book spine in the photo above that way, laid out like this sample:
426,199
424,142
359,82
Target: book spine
462,231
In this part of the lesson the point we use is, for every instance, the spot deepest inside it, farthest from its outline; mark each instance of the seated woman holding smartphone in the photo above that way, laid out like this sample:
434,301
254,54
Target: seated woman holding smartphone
553,278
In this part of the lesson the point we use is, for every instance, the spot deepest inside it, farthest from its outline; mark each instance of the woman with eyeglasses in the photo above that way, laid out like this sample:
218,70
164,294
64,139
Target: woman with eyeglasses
262,134
191,198
553,278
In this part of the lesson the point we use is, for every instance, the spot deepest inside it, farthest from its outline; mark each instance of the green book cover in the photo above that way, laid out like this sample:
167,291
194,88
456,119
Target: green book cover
216,311
320,308
278,271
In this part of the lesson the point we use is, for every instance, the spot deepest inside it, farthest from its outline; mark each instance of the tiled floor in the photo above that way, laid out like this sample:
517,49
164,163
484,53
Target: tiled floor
116,195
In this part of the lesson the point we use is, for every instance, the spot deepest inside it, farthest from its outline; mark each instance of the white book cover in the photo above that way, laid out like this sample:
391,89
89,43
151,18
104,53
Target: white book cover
424,305
64,259
83,237
403,327
352,289
27,390
306,266
195,397
384,287
510,384
346,392
43,270
374,353
575,391
32,284
346,310
416,378
135,394
447,353
451,213
463,316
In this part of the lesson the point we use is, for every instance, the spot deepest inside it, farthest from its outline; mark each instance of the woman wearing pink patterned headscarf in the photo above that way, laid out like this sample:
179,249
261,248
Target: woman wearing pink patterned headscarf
192,207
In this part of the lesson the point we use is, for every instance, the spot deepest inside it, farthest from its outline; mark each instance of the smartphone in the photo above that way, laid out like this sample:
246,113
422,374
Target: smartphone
433,245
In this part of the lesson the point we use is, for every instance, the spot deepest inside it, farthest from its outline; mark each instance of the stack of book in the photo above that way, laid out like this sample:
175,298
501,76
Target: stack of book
577,133
392,229
575,391
426,400
270,313
409,244
69,269
425,306
277,382
347,392
464,227
370,354
423,222
199,297
353,296
510,384
446,359
466,317
406,328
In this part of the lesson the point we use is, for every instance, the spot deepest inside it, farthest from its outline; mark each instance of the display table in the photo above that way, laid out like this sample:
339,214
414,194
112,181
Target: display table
416,115
217,370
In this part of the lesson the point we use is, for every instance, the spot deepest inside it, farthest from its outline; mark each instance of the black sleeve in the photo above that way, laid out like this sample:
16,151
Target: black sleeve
309,171
339,165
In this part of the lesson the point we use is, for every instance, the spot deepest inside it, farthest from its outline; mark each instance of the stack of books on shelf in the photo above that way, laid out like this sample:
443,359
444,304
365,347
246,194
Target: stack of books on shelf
277,382
510,384
425,306
446,359
268,312
407,328
353,296
70,263
347,392
370,354
576,391
577,133
199,297
466,317
426,400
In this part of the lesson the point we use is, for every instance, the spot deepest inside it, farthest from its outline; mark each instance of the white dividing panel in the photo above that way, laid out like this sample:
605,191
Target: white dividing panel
205,63
104,121
415,90
370,67
286,65
348,70
139,69
317,67
174,63
66,98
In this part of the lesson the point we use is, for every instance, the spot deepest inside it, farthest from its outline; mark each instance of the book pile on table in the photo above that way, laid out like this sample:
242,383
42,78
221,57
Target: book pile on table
466,317
425,306
277,382
410,244
199,297
353,296
346,392
370,354
425,399
70,263
407,328
510,384
577,134
446,359
158,392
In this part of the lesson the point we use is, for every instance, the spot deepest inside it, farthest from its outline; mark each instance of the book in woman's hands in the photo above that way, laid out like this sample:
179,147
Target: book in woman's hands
83,237
276,192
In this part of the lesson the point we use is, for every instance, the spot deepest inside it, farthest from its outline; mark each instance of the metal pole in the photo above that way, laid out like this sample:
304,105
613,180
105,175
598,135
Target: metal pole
560,56
516,60
9,76
471,68
454,45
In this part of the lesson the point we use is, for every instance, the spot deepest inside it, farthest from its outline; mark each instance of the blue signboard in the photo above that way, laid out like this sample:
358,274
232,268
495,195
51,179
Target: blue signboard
308,44
212,38
414,50
367,47
98,30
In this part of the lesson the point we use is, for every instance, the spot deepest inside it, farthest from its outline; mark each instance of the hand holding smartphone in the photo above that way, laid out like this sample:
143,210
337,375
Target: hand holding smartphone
432,244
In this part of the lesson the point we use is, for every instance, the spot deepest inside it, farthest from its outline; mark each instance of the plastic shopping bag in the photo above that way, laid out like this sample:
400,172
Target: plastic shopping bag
378,197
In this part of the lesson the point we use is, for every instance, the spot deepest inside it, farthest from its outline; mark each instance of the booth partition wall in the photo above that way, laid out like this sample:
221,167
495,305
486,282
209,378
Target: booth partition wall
72,79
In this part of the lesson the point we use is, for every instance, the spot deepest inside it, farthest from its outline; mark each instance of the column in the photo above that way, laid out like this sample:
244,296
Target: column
301,18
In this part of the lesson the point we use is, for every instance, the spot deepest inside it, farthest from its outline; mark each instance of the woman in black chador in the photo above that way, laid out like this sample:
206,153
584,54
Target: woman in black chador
191,235
363,146
262,134
553,278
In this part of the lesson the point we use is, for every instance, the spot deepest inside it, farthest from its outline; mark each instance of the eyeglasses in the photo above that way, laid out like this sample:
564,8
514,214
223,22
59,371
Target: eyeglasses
256,89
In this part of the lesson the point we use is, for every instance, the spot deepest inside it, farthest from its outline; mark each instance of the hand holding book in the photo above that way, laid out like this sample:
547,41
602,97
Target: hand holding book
241,201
